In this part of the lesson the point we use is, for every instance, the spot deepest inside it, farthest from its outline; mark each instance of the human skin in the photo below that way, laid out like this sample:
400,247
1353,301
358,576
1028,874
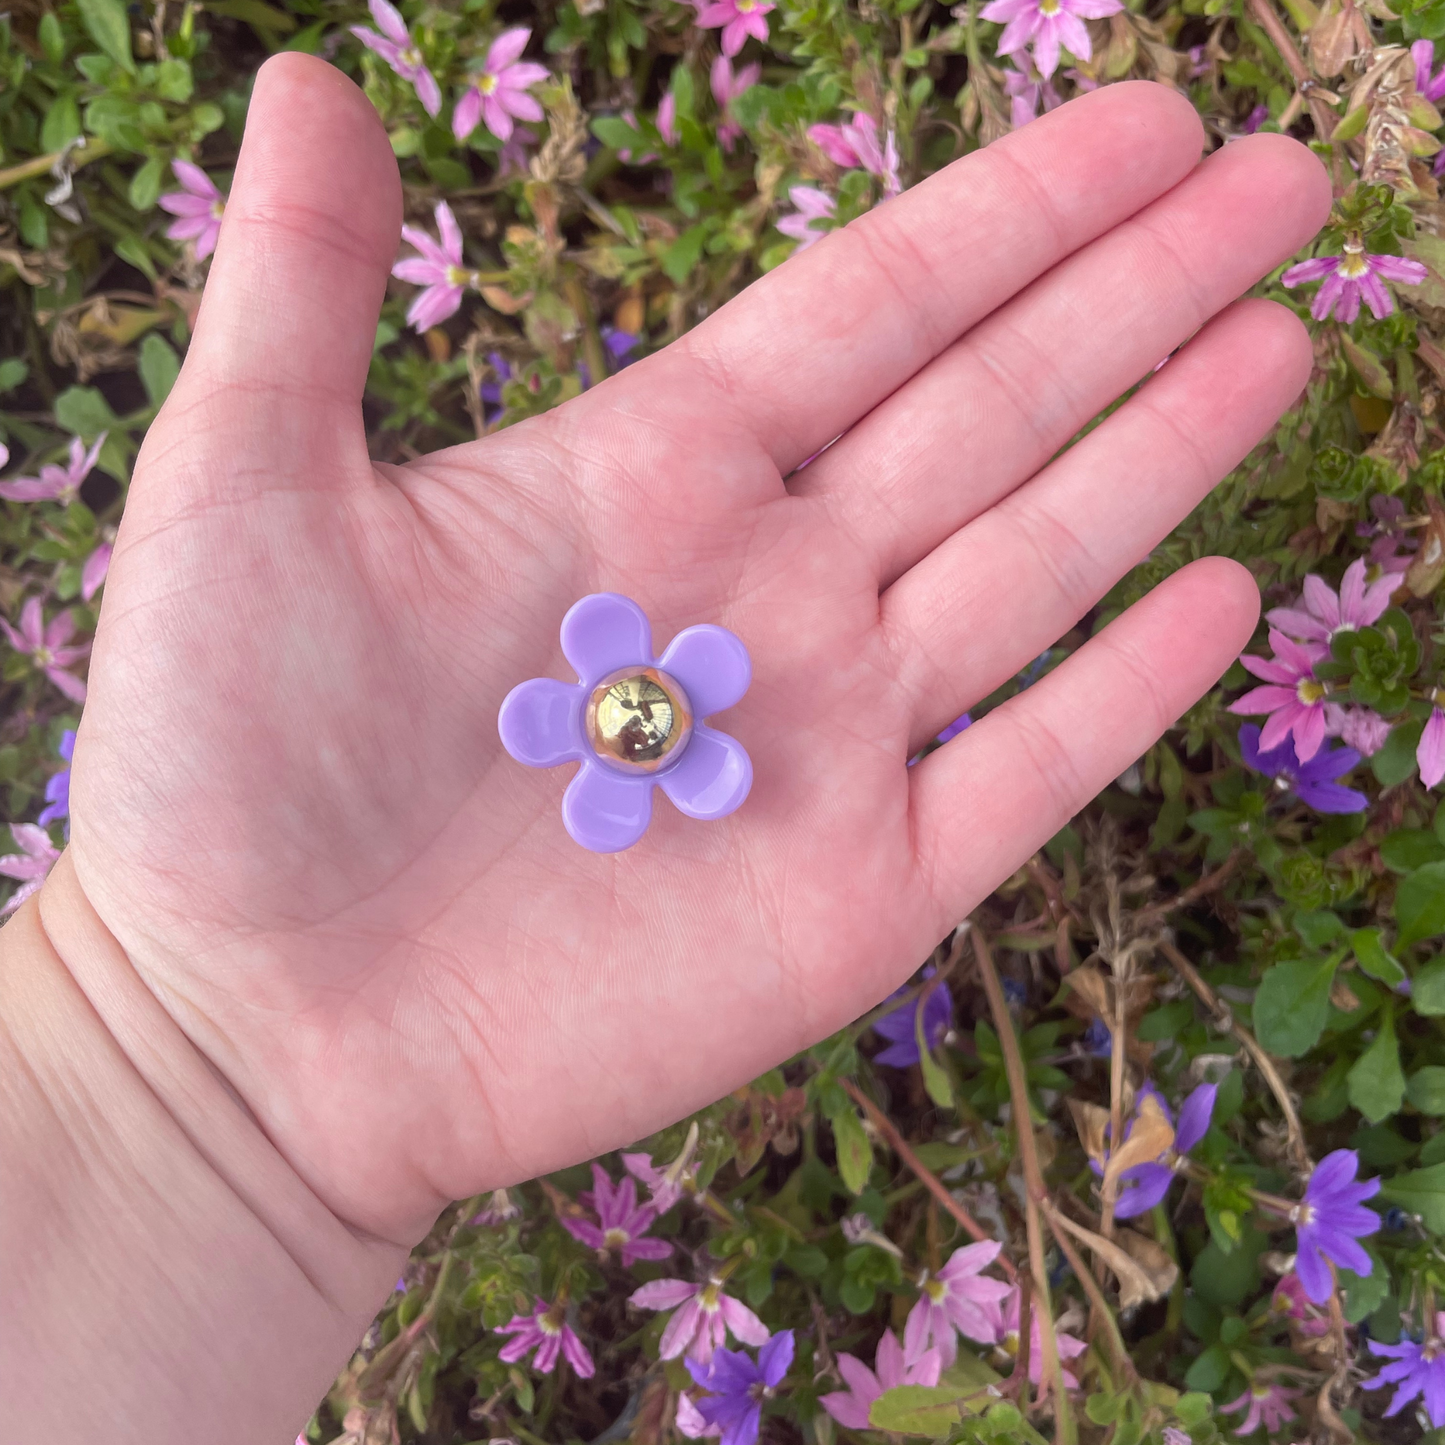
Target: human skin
320,956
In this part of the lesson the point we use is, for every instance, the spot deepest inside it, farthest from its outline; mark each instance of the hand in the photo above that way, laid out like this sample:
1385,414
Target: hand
291,807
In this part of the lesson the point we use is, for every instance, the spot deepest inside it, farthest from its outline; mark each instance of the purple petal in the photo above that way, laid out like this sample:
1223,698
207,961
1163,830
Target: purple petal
1331,797
388,20
775,1357
604,632
712,777
1333,1171
1194,1117
712,665
1308,271
1399,269
467,114
1150,1183
1314,1274
604,810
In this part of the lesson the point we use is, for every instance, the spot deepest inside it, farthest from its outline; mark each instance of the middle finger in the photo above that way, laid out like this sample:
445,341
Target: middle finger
987,413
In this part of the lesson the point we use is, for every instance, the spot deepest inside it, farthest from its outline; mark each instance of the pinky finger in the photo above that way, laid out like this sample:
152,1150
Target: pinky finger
989,799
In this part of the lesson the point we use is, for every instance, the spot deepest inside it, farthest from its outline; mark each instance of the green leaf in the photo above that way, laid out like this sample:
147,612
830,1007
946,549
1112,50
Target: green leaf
680,257
1209,1371
1193,1409
1166,1022
1427,989
84,411
110,29
1407,849
145,184
1364,1294
1374,958
1426,1089
1372,372
1420,904
1319,927
174,81
855,1153
1422,1192
1396,760
51,37
158,366
1377,1083
12,372
255,13
935,1080
62,122
933,1410
1292,1004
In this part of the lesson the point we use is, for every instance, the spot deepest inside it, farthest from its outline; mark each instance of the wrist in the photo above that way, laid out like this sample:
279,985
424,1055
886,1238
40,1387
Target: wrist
163,1262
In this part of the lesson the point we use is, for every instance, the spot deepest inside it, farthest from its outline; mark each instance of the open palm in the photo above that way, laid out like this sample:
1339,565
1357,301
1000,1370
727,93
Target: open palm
291,805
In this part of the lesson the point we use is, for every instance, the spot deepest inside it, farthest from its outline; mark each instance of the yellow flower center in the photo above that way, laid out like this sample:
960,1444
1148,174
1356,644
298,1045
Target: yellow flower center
707,1298
934,1289
746,7
486,82
615,1238
43,657
1050,7
218,209
1309,691
551,1322
410,56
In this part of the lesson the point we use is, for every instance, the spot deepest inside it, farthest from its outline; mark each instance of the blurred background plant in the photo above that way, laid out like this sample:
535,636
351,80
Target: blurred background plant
1230,963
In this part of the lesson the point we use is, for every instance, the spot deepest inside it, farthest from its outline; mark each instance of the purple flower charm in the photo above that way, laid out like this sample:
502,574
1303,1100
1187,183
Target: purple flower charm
633,722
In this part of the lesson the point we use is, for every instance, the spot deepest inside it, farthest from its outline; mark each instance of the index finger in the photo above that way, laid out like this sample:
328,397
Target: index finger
814,345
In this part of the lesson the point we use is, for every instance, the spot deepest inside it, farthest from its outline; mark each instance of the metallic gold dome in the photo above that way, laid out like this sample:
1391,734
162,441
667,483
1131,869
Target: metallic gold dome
637,718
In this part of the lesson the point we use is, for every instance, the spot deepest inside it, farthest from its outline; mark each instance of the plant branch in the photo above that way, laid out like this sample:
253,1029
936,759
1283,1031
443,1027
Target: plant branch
80,155
1224,1018
935,1186
1323,117
1036,1194
1206,885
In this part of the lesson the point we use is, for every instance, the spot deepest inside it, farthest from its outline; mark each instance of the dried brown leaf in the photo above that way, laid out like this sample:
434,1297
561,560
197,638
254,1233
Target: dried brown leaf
1092,1122
1151,1135
1136,1284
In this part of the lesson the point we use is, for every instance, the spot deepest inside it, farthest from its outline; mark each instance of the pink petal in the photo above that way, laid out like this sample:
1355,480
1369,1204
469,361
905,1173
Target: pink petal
1328,296
467,114
1280,725
1294,624
428,91
28,489
888,1361
520,104
845,1407
1075,38
434,305
1376,297
1431,752
182,203
1399,269
1270,669
1094,9
522,74
93,574
60,630
1309,732
388,21
1322,600
662,1294
496,117
419,271
680,1330
507,47
72,687
195,180
32,624
388,51
744,1324
450,232
1307,271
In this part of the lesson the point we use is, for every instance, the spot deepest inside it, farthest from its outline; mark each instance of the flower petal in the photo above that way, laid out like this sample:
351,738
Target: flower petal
604,632
1194,1117
540,722
712,778
604,810
712,665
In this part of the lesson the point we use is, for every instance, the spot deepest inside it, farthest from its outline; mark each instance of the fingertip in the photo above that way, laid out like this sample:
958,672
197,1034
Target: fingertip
1221,592
1161,115
1290,175
1275,342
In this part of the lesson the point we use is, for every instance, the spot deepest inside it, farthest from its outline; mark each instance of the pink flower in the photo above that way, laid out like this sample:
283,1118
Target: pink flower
29,866
1267,1404
199,205
1431,752
856,145
1290,1299
1432,87
1326,612
438,269
1390,531
1050,25
813,206
1007,1336
621,1224
1027,89
400,51
739,19
726,87
499,90
667,1185
499,1210
55,483
1361,728
702,1323
545,1330
1294,698
850,1407
93,573
666,125
1349,277
957,1298
46,646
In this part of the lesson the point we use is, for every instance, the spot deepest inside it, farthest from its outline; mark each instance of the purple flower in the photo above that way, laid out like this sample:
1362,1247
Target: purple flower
400,51
57,790
1173,1435
95,570
621,1223
855,146
438,270
633,723
900,1026
500,1208
1313,783
667,1185
491,391
737,1387
56,483
1149,1183
813,206
850,1407
1268,1405
958,1298
1351,276
726,87
46,644
1323,612
1255,119
1049,25
1361,728
199,205
512,159
738,19
667,120
499,89
704,1317
1331,1220
545,1330
30,866
1432,87
1027,90
1293,697
1419,1369
1430,754
959,723
1390,531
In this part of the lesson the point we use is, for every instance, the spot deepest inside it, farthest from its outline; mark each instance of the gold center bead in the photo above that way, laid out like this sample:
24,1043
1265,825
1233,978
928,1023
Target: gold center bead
637,717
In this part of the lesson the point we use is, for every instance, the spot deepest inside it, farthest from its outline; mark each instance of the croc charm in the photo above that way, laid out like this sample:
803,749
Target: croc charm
633,722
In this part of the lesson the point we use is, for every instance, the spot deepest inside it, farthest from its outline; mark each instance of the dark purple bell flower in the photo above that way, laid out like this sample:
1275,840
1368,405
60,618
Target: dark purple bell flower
899,1026
1331,1221
1313,782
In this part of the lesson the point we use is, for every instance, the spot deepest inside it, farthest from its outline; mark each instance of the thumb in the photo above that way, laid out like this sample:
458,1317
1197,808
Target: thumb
286,328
